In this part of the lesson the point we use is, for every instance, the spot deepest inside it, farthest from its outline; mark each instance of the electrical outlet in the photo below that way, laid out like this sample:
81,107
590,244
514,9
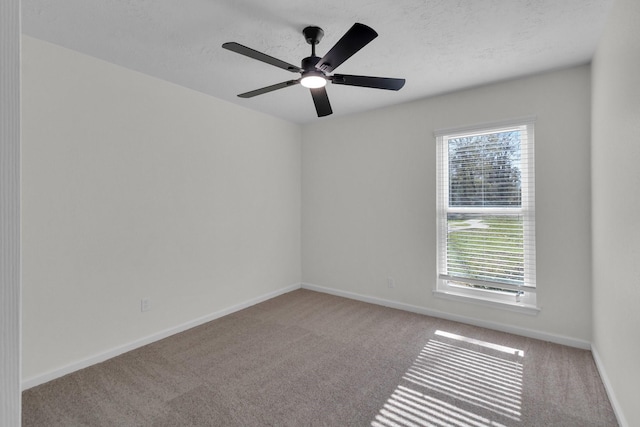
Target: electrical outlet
391,283
145,304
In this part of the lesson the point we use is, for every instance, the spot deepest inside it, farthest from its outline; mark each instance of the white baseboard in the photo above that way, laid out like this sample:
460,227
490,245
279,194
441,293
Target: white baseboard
544,336
101,357
607,385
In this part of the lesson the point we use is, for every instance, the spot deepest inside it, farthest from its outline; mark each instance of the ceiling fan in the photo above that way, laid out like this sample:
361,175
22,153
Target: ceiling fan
315,70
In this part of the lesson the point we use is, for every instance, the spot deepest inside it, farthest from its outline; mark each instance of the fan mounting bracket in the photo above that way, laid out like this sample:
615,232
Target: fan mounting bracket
313,35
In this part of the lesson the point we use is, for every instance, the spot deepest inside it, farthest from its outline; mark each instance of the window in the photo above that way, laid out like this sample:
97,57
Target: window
486,216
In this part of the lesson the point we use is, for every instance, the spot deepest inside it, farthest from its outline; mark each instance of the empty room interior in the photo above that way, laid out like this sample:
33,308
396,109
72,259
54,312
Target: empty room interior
188,256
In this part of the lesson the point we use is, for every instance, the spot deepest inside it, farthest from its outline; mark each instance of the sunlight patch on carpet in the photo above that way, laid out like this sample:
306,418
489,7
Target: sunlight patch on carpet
456,381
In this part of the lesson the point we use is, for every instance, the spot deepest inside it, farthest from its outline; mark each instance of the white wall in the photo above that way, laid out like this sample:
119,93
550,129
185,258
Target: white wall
616,206
10,411
368,206
134,187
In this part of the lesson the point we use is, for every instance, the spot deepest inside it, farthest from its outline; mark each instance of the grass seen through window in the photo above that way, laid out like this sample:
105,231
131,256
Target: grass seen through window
486,247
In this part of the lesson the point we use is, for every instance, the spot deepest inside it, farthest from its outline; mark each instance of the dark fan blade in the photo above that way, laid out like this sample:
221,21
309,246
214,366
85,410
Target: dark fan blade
321,100
269,89
251,53
355,39
366,81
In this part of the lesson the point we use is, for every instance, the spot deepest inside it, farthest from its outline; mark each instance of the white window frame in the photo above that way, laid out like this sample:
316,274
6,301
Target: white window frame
448,287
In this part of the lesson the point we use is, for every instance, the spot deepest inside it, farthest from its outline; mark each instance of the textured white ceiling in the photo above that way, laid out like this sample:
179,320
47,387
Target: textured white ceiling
436,45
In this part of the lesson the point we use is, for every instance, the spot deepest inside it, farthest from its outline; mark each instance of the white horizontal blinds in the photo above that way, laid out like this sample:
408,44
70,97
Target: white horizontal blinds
484,169
486,248
486,218
527,179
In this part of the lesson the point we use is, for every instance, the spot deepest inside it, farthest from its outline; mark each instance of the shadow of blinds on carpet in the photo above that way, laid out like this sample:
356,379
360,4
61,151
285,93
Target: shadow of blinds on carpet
452,382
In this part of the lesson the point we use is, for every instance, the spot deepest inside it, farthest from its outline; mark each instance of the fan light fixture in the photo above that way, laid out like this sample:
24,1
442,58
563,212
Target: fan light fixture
313,80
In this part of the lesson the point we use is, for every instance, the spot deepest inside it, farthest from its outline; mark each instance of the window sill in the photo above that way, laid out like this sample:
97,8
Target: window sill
515,307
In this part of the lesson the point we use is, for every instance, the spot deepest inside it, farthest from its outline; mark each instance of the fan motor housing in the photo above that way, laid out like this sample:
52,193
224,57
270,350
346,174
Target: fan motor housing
309,63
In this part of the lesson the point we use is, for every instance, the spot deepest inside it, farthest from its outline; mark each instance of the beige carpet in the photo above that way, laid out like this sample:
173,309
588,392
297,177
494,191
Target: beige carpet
307,358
